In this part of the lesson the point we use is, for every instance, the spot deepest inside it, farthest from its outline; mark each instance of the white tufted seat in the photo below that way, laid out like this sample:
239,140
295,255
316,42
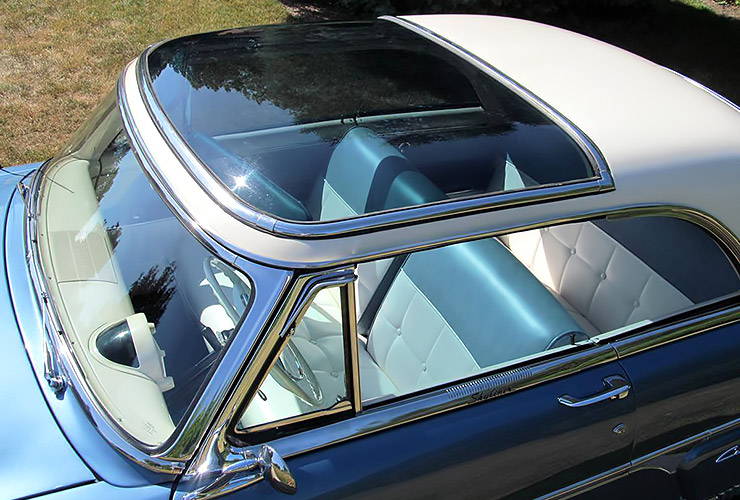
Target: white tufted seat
413,343
597,279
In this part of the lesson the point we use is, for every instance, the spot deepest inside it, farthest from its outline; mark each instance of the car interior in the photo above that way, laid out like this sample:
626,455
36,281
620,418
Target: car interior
437,316
424,319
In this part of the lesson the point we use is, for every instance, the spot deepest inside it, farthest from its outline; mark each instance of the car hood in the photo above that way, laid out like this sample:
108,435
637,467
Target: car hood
35,456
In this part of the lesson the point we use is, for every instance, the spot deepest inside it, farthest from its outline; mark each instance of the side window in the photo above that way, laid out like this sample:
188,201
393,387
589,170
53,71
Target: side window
310,373
437,316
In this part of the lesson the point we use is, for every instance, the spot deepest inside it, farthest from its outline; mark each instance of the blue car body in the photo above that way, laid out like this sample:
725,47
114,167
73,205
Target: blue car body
646,407
51,446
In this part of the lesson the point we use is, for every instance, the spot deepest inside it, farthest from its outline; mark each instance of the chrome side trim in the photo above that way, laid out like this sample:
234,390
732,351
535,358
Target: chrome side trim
620,471
602,181
646,459
631,344
386,416
501,382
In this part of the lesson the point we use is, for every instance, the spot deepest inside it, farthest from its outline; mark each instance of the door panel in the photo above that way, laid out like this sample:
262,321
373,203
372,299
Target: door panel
682,389
521,445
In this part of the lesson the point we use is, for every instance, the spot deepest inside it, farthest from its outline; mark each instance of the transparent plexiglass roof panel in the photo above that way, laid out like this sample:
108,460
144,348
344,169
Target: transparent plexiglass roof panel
322,122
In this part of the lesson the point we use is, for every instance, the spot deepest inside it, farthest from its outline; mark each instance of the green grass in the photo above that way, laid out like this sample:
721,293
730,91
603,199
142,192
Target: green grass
58,58
697,4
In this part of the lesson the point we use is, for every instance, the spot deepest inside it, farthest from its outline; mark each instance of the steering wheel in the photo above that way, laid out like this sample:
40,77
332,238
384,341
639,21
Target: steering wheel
291,370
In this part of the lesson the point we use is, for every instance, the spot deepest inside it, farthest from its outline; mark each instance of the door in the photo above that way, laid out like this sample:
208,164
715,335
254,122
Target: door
521,445
688,397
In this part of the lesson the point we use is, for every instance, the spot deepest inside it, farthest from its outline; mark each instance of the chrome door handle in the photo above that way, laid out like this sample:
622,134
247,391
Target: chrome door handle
616,387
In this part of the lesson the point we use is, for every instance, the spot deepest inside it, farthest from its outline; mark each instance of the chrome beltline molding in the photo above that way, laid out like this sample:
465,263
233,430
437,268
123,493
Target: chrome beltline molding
620,471
477,390
526,373
603,181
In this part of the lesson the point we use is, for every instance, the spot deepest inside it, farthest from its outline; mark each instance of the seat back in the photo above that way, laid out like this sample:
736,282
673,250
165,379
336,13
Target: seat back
602,280
453,311
367,174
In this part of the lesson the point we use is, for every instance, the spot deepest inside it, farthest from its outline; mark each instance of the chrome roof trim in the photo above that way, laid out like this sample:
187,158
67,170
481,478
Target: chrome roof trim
597,160
603,181
729,243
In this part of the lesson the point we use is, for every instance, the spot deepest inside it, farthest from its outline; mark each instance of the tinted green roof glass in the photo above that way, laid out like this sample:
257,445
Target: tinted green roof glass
322,122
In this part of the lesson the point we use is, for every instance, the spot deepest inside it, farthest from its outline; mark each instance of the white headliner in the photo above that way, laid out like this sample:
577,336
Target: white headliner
666,140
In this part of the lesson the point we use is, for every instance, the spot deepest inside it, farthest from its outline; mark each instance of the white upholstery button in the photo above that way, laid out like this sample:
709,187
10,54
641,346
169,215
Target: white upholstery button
636,304
334,374
398,332
423,367
313,341
572,251
603,276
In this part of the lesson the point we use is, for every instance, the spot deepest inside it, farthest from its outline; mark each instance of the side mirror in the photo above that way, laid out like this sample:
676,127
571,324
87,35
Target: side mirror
239,468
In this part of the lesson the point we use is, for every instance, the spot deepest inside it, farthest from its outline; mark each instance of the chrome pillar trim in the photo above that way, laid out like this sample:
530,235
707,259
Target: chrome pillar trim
216,449
596,159
628,344
639,463
602,180
292,312
149,164
352,359
388,415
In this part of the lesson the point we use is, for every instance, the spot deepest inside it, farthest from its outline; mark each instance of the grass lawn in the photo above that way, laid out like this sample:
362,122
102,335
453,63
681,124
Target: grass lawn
58,58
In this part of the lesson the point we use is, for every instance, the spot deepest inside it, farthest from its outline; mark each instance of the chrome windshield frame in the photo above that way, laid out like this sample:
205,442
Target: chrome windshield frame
170,456
602,181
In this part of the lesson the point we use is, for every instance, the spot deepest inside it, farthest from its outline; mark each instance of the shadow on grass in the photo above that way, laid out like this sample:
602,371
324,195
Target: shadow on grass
695,42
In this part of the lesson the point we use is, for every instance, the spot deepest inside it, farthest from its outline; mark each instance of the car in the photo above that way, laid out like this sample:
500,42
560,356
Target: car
426,256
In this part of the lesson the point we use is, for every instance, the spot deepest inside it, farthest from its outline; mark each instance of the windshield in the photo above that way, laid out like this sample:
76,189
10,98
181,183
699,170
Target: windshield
145,307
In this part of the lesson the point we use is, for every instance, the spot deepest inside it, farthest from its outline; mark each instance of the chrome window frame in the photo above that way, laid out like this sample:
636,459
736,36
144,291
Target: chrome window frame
170,456
602,181
276,338
516,375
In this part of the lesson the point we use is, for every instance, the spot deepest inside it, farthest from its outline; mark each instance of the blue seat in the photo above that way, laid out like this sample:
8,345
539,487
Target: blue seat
438,315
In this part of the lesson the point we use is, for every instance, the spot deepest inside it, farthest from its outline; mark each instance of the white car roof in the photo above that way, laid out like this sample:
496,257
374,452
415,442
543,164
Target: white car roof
666,141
